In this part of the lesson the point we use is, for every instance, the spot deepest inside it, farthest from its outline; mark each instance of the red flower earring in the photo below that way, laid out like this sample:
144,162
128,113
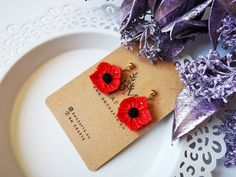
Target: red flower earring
134,111
107,77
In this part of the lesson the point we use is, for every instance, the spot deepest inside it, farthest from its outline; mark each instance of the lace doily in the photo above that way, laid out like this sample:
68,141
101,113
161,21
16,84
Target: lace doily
16,39
202,147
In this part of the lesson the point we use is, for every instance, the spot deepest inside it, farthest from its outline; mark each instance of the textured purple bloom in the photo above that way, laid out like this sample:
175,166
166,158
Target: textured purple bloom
147,34
153,43
131,34
227,32
211,77
149,41
210,82
229,128
144,22
217,13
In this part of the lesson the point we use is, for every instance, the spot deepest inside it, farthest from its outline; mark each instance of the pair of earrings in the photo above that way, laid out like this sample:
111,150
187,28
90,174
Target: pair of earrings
132,111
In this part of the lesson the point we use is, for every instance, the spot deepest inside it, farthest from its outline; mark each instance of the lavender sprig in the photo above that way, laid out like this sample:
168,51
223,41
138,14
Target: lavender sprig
211,77
131,34
229,128
146,33
150,41
227,32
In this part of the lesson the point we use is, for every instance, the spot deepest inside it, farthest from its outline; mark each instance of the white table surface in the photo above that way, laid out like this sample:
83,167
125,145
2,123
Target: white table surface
18,11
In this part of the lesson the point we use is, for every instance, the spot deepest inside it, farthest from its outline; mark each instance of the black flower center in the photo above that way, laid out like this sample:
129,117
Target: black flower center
107,78
133,112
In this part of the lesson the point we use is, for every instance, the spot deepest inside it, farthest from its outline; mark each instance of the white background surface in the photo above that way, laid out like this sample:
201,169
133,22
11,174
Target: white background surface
20,11
17,11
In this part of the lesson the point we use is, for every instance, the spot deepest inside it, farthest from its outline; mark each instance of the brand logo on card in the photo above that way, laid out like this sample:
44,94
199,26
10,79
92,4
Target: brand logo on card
128,85
76,123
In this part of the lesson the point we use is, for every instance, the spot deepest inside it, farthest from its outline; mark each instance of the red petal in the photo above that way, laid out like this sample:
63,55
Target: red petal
95,77
128,122
145,117
142,103
104,66
115,84
112,86
103,87
116,72
127,102
123,110
134,125
123,117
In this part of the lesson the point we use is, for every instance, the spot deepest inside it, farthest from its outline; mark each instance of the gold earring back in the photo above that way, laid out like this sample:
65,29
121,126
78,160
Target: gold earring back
153,93
129,67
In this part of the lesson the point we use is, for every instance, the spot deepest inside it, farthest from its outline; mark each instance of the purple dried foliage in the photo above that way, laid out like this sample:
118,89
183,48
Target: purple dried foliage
229,128
227,32
212,77
138,25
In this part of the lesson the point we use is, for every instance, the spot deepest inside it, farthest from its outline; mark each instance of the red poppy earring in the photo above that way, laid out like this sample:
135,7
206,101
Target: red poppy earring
134,111
107,77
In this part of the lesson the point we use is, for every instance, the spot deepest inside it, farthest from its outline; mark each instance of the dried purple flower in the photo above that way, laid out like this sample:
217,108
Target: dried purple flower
227,32
229,128
130,10
143,22
211,77
131,34
209,84
149,42
217,13
153,43
147,33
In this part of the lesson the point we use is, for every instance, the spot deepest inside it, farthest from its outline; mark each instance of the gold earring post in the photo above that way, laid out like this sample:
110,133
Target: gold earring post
129,67
153,93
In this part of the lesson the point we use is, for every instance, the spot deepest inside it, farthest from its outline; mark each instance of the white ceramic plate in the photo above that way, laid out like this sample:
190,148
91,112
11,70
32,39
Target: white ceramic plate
39,144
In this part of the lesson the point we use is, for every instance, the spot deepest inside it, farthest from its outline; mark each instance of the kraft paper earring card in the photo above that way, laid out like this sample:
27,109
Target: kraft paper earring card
88,116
